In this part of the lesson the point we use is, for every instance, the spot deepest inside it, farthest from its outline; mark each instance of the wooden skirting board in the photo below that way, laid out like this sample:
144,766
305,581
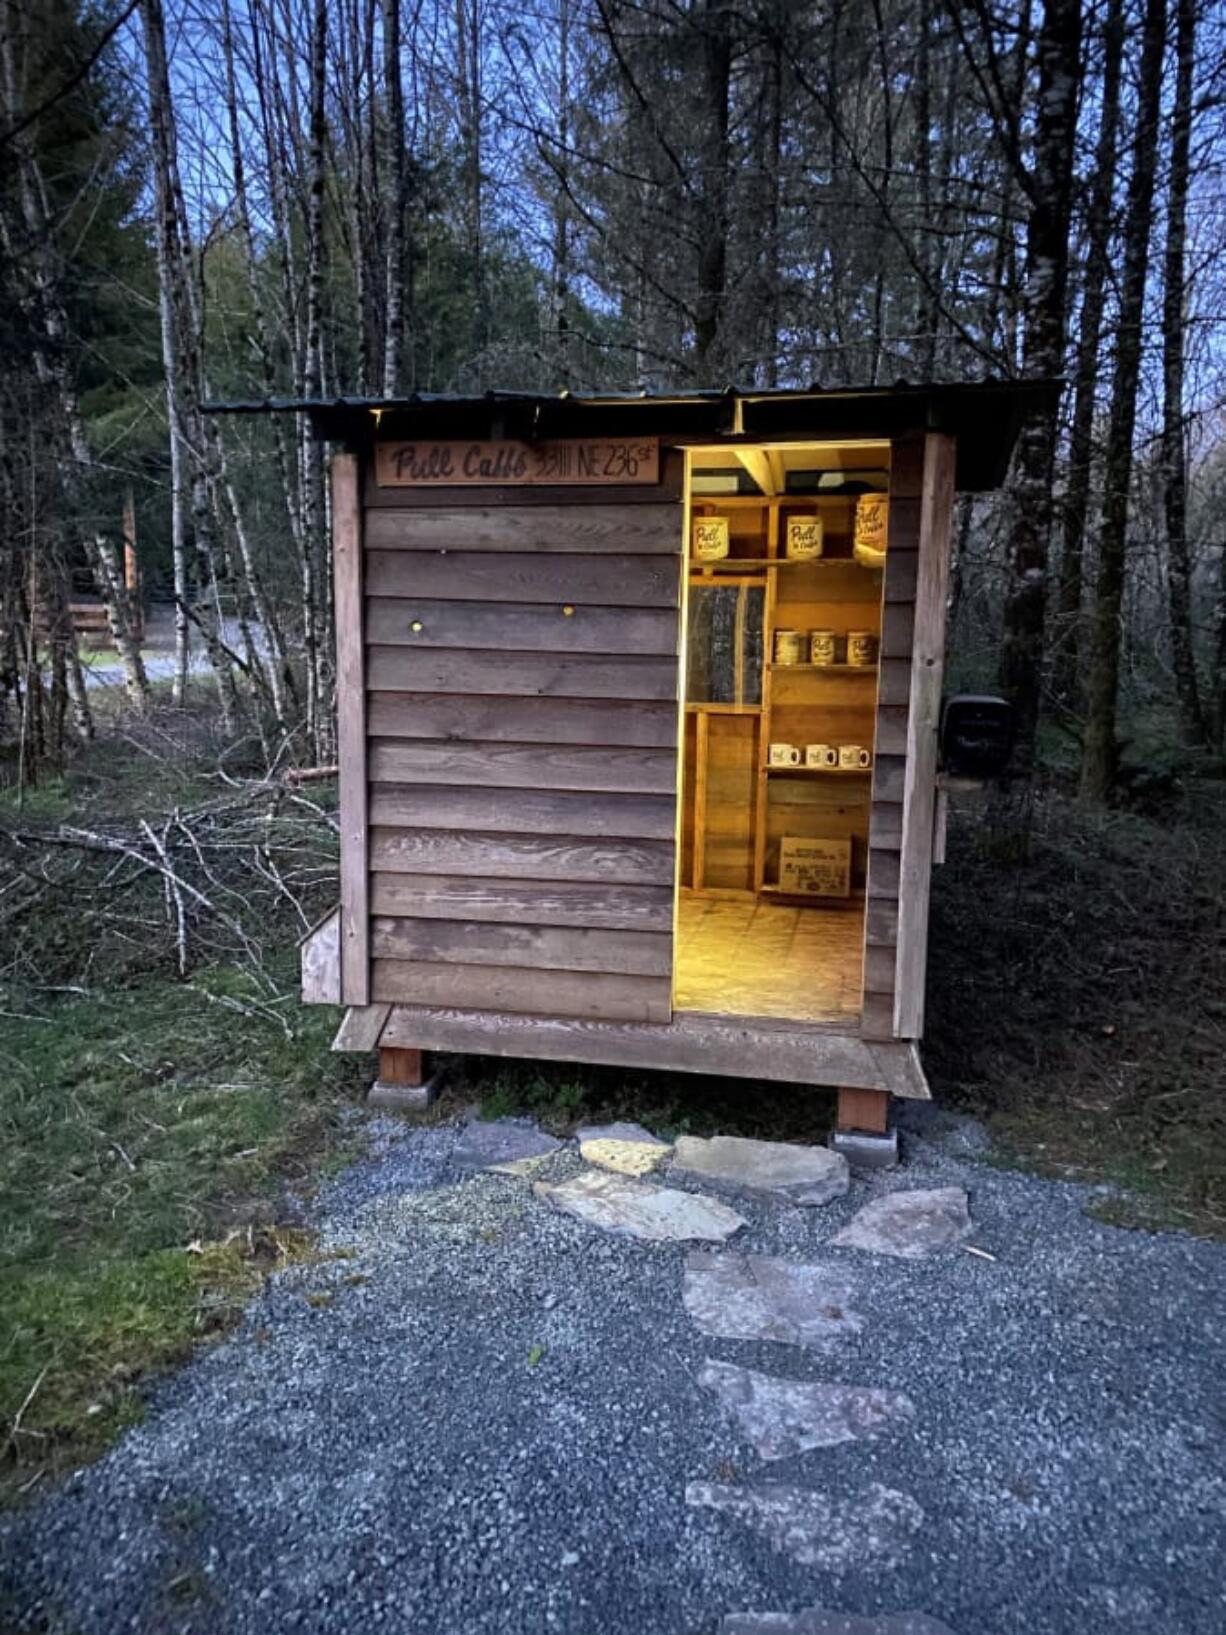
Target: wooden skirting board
693,1042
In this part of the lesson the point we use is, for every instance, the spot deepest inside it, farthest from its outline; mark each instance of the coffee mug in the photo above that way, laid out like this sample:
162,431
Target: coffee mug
787,647
821,647
821,755
783,755
861,648
853,757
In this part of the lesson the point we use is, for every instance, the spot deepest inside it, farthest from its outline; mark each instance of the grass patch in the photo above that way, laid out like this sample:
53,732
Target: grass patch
1076,1003
145,1142
150,1126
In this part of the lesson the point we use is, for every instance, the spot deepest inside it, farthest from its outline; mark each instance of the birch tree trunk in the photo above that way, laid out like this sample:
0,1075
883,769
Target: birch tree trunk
1100,750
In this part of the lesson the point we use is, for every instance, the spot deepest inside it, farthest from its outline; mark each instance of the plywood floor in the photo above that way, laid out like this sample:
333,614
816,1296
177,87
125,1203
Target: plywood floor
746,957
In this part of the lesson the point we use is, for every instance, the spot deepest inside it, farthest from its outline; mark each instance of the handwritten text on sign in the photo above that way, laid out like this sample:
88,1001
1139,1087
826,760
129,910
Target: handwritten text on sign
564,461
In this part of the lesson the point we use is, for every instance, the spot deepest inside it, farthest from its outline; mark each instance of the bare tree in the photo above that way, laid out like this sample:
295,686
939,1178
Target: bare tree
1100,751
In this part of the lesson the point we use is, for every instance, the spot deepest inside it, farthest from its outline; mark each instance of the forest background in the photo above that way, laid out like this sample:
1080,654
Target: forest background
249,198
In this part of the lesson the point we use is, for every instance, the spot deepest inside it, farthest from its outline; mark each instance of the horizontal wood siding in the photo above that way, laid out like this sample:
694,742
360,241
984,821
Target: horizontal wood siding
522,709
592,722
885,826
606,904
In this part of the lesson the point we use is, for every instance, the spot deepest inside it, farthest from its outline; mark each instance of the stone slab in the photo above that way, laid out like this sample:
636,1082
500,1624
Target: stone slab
777,1171
616,1203
502,1145
754,1297
782,1417
853,1532
626,1149
815,1622
910,1225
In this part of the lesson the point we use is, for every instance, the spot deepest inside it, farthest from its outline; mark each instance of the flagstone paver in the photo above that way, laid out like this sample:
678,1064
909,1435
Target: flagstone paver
910,1225
874,1528
503,1145
757,1297
627,1149
617,1204
785,1416
775,1171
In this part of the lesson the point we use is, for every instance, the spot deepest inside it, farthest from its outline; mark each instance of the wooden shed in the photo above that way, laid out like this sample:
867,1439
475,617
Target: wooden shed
638,716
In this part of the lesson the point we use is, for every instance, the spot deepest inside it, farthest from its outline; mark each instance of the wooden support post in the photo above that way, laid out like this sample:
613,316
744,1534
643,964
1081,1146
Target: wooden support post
402,1083
867,1110
862,1129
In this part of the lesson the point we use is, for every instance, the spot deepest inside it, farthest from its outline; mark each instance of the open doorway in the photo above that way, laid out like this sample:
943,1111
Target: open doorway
785,552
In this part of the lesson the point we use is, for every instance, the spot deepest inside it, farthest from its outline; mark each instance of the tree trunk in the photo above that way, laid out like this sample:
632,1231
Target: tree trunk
1100,750
393,200
1067,661
1174,445
1049,186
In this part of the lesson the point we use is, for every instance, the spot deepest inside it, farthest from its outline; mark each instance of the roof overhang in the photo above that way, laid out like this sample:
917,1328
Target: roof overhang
983,416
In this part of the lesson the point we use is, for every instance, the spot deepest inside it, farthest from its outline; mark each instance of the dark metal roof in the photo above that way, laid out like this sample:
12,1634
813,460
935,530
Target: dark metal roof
984,416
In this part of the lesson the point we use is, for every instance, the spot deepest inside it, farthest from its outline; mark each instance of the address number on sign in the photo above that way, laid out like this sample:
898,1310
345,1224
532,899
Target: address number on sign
508,463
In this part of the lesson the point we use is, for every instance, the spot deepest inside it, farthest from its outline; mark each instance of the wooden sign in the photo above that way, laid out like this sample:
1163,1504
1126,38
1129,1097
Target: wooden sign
815,868
508,463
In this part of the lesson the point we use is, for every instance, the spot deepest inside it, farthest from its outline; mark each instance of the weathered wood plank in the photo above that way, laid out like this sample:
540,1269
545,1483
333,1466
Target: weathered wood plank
527,857
897,630
475,576
885,825
476,719
901,575
536,947
889,774
693,1042
539,627
361,1027
524,811
607,904
879,971
881,922
877,1016
919,797
320,956
891,737
523,766
894,683
585,994
883,869
350,729
644,530
551,675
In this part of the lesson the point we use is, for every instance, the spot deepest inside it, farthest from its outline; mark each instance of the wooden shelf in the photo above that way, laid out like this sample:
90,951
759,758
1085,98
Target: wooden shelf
817,771
823,669
726,709
730,564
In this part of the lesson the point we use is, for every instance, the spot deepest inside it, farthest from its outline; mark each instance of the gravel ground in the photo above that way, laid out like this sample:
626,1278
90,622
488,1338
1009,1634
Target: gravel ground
404,1455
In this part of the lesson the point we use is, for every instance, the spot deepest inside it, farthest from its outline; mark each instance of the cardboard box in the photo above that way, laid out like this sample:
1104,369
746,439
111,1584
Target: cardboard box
815,868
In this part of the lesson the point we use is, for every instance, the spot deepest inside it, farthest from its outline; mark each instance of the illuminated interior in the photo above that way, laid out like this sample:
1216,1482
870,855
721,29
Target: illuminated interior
785,551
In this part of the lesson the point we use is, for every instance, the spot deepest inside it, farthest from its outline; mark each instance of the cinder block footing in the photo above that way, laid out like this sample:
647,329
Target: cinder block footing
404,1098
865,1151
